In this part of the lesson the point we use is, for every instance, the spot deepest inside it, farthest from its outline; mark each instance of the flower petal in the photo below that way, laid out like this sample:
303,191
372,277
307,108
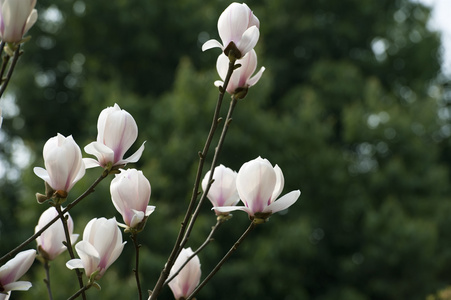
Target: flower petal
211,44
248,40
18,286
254,79
283,202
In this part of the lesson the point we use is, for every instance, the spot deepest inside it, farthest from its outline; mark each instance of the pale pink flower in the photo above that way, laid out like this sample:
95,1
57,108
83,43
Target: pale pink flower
16,17
238,29
130,192
14,269
117,131
50,242
101,246
223,189
63,163
241,78
189,277
259,184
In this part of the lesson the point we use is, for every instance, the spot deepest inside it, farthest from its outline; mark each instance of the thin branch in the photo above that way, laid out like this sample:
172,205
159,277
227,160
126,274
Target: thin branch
136,269
17,53
68,245
177,246
201,247
223,260
47,278
80,291
218,148
16,250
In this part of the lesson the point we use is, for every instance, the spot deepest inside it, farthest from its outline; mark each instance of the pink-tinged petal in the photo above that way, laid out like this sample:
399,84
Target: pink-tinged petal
248,66
211,44
232,23
255,184
17,266
18,286
283,202
74,264
134,157
280,182
89,256
253,80
103,153
188,278
248,40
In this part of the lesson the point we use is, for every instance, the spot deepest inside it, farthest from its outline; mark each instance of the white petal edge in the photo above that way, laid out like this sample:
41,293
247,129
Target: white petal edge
283,202
254,79
90,163
248,40
211,44
18,286
225,209
134,157
41,173
74,264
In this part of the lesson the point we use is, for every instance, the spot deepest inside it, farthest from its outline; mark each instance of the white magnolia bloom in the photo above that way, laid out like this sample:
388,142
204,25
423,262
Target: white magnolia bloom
50,242
223,189
241,78
14,269
259,184
63,163
130,192
101,246
238,29
189,277
117,131
16,18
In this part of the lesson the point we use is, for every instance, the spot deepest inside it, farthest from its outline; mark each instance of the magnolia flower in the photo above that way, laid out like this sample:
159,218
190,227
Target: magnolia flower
50,242
223,189
238,29
241,78
100,247
14,269
188,278
259,184
130,192
117,131
63,163
16,17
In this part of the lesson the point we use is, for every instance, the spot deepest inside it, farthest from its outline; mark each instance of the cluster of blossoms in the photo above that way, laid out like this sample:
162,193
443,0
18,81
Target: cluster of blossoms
239,32
258,184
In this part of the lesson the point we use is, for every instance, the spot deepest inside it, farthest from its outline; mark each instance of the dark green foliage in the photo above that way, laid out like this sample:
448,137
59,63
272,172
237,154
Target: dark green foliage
350,107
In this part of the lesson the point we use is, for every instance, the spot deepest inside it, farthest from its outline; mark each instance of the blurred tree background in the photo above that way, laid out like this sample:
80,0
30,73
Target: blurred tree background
352,107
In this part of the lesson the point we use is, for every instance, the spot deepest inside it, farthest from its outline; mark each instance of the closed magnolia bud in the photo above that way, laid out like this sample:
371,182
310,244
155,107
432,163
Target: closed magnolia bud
50,242
238,29
117,131
63,164
130,192
223,189
188,278
16,18
242,77
14,269
101,246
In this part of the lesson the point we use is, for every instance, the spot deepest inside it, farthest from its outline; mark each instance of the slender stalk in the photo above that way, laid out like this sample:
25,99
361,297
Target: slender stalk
223,260
80,291
201,247
16,250
2,46
233,103
136,269
47,278
17,53
202,155
68,245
